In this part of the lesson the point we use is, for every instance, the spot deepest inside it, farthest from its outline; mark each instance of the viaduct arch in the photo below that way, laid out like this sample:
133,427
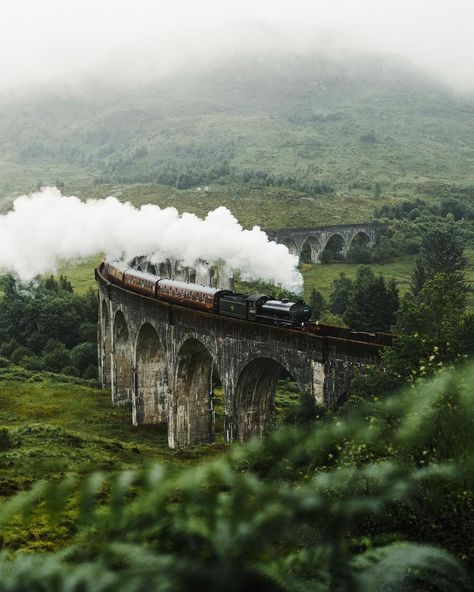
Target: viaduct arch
159,359
296,239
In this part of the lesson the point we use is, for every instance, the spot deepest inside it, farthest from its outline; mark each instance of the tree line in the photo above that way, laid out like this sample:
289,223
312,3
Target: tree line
44,325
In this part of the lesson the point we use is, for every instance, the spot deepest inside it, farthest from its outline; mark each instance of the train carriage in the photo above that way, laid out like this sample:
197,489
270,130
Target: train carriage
115,270
192,295
142,282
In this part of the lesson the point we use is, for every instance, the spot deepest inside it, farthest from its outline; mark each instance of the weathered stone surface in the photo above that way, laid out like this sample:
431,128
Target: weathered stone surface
318,237
162,358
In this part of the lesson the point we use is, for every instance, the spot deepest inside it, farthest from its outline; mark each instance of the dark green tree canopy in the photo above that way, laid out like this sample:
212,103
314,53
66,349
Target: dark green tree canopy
372,303
44,320
340,292
441,251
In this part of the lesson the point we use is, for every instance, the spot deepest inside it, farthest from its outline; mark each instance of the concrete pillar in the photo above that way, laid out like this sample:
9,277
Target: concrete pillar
192,412
122,374
255,398
150,397
104,345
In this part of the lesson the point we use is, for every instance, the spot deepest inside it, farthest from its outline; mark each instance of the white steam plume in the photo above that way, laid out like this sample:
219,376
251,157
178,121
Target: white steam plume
46,227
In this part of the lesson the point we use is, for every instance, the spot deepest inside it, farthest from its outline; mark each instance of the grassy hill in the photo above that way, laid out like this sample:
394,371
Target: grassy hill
298,125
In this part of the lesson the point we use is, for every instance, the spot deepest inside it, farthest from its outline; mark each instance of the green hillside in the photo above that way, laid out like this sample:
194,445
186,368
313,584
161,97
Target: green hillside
296,127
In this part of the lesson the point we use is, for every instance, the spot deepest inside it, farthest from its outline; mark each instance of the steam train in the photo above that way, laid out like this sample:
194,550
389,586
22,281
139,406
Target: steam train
256,307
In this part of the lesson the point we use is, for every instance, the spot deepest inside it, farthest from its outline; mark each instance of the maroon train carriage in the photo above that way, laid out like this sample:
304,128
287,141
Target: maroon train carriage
140,281
192,295
115,270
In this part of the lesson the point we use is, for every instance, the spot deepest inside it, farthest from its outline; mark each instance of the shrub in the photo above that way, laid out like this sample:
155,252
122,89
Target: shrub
33,363
84,355
91,372
19,353
70,370
55,355
6,440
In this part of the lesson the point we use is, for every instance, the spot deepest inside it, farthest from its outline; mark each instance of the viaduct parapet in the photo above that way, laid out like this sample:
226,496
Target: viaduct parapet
318,237
160,358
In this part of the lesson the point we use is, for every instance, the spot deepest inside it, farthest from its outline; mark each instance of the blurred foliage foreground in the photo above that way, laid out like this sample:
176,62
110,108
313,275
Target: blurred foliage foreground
378,497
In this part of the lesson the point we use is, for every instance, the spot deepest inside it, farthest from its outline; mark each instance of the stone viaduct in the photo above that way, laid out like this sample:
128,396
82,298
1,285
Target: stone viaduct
160,358
317,238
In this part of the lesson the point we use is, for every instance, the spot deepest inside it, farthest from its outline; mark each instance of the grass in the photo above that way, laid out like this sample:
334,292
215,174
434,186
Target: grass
268,207
81,273
321,277
56,429
50,429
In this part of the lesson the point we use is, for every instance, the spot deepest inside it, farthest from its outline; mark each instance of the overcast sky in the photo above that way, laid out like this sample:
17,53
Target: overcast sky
46,40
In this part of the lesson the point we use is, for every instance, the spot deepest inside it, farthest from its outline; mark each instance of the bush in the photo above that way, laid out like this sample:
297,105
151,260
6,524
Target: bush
19,353
90,373
33,363
84,355
70,370
6,440
4,362
88,332
56,356
359,254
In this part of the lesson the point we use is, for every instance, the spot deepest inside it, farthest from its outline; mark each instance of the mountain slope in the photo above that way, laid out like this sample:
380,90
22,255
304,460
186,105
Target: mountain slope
313,123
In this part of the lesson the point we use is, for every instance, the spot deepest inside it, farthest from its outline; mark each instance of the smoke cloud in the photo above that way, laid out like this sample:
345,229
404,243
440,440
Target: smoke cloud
47,227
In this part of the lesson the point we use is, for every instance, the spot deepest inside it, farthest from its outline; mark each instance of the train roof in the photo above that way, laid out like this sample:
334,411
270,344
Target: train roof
189,286
122,266
144,275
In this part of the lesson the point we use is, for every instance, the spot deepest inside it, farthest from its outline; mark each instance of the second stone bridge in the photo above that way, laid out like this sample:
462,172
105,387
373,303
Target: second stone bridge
317,238
160,358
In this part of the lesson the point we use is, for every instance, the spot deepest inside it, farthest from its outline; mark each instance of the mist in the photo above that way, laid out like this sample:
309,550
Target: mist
55,42
47,227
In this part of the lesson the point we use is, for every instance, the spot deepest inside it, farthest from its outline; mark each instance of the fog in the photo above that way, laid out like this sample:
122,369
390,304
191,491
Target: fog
55,41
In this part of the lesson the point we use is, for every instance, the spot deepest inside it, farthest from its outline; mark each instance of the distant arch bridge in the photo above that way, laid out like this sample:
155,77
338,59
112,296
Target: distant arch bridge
318,237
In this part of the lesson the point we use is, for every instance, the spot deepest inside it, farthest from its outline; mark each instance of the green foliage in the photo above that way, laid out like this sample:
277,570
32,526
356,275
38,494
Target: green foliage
435,307
442,253
90,372
20,353
341,290
317,304
418,277
55,355
409,356
6,440
363,501
47,326
412,568
372,304
84,355
436,312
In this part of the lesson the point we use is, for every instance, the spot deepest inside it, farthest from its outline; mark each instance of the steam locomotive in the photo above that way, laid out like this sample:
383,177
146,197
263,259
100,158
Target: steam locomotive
255,307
